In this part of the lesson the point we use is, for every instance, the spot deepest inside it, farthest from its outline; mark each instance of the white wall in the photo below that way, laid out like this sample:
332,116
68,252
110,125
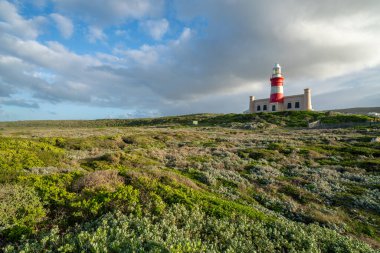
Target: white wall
261,103
293,100
279,106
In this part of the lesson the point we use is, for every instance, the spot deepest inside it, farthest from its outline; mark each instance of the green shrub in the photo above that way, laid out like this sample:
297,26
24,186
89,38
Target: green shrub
344,118
298,194
180,229
200,176
94,202
85,196
256,154
20,209
54,190
19,154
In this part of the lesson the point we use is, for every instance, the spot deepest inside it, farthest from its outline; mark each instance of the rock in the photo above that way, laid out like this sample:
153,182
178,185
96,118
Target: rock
376,139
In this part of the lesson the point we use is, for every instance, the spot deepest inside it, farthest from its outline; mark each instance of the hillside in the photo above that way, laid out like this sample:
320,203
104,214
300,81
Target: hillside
281,119
233,183
358,110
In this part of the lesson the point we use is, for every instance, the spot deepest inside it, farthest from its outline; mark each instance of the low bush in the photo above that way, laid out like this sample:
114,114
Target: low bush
16,155
180,229
20,210
103,179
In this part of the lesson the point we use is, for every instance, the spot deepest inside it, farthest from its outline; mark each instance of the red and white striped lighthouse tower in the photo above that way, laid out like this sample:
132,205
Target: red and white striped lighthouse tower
277,85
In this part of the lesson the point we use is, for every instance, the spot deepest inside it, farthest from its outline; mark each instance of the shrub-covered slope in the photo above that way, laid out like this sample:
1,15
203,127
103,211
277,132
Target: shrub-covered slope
213,188
287,119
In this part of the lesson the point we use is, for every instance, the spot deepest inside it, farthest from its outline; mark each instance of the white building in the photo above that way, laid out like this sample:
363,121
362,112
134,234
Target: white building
277,101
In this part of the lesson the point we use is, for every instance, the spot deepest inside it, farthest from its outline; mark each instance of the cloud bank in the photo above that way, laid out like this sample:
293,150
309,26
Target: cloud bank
196,56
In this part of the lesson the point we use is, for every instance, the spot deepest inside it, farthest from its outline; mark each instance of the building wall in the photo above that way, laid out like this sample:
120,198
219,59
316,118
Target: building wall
301,99
261,103
292,100
264,105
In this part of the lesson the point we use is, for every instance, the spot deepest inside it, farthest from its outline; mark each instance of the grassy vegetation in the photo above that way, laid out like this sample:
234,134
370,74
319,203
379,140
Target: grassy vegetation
287,119
234,183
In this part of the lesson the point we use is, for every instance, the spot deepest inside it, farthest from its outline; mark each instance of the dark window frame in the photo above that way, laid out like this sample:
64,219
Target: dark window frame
273,108
258,108
265,107
297,105
289,106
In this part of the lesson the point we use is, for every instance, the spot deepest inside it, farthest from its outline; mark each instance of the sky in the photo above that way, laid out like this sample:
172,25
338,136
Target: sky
78,59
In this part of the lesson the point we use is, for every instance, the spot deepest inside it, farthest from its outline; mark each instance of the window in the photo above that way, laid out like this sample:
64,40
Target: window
258,108
273,108
289,105
264,107
297,105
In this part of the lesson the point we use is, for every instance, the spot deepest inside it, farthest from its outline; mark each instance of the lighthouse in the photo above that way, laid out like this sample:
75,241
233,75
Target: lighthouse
277,85
277,101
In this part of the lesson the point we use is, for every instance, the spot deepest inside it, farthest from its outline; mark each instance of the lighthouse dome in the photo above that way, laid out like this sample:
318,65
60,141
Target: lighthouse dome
277,70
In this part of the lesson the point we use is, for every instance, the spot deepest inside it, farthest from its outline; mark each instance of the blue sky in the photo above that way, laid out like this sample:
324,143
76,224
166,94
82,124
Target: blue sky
143,58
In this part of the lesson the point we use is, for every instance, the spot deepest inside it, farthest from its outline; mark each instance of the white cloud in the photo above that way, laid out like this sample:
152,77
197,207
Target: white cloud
144,56
150,56
64,25
155,28
107,12
185,36
13,23
19,103
44,75
96,34
52,56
